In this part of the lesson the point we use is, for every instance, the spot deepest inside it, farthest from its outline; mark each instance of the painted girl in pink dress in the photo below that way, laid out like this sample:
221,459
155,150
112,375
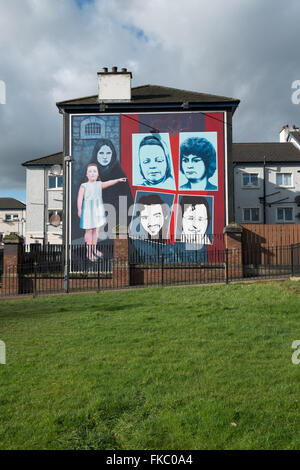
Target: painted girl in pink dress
91,209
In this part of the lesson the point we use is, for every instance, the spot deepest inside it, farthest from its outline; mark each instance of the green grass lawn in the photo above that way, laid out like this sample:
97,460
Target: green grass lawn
158,368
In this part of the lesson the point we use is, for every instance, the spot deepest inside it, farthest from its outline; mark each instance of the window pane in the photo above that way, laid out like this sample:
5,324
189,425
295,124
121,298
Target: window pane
245,179
254,179
52,182
247,214
59,181
280,214
287,179
288,213
278,179
255,215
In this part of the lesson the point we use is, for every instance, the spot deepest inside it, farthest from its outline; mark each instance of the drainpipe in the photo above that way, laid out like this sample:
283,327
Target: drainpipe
264,192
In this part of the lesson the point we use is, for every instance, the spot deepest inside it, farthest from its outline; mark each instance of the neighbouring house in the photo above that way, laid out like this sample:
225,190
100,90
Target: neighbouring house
267,181
44,199
12,217
123,131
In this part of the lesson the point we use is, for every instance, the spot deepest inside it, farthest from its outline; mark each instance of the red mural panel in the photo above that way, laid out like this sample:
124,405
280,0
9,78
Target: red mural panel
188,140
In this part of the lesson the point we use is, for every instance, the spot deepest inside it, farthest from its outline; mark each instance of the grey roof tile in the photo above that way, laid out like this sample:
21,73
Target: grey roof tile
158,94
9,203
273,152
54,159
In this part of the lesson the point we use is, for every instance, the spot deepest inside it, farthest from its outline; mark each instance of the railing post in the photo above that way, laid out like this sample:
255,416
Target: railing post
35,279
226,265
12,260
233,241
292,259
162,269
98,276
121,268
67,270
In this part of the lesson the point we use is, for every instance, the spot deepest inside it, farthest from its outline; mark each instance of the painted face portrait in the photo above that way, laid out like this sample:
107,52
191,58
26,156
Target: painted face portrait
104,155
92,173
193,167
152,219
195,220
153,163
198,162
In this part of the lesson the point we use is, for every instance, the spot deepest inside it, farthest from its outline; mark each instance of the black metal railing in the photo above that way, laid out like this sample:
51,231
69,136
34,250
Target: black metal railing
1,260
81,257
46,275
295,259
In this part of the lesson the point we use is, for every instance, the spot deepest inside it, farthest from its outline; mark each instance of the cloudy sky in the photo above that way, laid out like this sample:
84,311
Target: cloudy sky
51,50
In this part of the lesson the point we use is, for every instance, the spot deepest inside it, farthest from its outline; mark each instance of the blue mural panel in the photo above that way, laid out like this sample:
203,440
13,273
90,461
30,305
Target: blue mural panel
152,163
151,215
198,161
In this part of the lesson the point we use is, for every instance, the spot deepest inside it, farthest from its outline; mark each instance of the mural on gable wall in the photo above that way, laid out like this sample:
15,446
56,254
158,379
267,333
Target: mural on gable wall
162,173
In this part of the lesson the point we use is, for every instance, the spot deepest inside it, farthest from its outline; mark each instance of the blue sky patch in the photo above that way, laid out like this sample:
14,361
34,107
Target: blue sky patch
137,32
81,3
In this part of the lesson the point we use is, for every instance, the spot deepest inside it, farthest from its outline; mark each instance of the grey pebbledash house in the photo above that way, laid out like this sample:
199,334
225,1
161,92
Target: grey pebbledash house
12,217
267,182
44,199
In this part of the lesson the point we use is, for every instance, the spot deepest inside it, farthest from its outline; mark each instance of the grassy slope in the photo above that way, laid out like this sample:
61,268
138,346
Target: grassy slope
152,369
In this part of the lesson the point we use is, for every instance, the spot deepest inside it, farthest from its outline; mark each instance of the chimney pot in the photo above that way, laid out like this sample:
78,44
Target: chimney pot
124,70
114,69
105,69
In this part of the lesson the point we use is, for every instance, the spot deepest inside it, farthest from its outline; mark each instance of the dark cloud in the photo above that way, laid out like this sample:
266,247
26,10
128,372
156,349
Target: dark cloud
51,50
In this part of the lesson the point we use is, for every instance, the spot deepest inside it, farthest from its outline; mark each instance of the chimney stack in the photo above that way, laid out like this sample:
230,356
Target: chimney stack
114,85
285,130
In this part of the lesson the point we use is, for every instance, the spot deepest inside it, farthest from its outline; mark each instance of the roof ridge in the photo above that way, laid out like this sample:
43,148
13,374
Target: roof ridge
8,197
75,99
189,91
42,158
11,200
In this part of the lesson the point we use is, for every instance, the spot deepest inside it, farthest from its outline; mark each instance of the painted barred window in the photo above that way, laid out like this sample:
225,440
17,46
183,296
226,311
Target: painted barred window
93,128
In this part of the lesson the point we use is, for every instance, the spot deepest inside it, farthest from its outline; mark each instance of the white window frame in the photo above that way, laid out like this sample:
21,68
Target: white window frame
251,221
280,221
284,173
12,218
250,186
57,188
